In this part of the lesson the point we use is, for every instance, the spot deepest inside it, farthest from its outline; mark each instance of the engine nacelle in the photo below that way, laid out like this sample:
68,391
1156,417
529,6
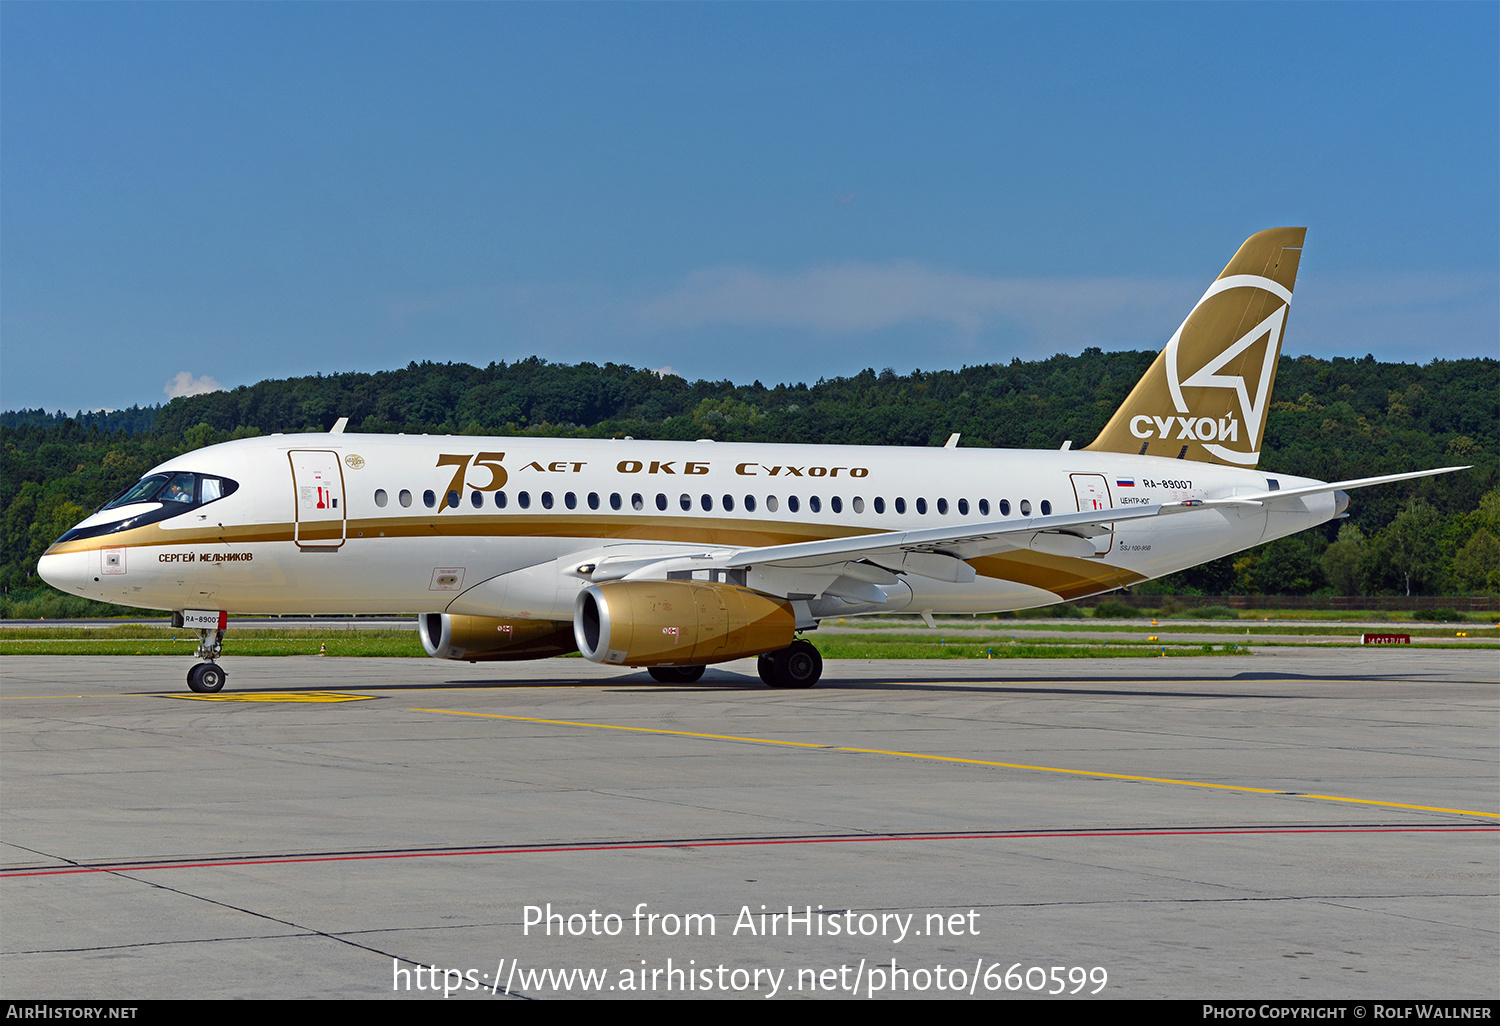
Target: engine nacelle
483,638
678,623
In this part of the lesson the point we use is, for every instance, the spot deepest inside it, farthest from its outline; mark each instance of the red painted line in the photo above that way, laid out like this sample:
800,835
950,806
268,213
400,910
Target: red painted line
654,845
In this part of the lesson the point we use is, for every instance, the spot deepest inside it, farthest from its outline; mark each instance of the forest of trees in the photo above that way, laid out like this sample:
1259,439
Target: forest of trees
1332,420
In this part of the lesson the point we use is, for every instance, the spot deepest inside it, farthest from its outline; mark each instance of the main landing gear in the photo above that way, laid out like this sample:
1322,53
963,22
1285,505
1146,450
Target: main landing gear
797,666
207,677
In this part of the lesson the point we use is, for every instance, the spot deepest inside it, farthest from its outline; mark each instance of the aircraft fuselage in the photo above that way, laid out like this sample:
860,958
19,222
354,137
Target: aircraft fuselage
367,523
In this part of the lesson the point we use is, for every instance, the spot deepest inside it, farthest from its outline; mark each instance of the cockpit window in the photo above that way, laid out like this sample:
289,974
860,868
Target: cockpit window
179,489
172,493
141,491
187,489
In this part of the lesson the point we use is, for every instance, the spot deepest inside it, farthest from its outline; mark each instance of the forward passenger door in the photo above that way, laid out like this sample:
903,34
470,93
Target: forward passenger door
318,487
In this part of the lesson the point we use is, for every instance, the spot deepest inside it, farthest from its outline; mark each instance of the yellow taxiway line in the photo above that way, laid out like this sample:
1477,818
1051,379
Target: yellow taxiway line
968,762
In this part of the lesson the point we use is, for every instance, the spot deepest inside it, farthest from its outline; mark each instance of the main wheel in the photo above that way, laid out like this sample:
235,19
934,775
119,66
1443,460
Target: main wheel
797,666
767,669
206,678
675,674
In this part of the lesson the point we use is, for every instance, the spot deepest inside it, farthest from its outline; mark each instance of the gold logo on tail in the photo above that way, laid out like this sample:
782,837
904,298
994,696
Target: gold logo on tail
1205,396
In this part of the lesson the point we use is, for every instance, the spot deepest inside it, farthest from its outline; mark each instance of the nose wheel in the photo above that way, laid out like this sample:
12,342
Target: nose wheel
206,678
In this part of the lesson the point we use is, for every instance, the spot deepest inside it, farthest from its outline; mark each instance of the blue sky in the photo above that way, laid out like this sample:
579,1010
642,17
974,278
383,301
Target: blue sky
198,194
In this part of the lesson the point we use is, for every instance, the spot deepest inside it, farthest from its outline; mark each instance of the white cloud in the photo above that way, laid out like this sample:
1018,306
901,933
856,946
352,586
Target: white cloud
833,317
185,384
1408,317
1400,316
868,297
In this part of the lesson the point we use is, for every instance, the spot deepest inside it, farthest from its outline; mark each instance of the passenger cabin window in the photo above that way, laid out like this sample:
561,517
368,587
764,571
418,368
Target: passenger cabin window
815,504
500,500
523,499
381,498
405,497
984,507
792,503
879,504
546,500
1025,507
1046,508
476,499
900,505
1005,507
429,498
749,504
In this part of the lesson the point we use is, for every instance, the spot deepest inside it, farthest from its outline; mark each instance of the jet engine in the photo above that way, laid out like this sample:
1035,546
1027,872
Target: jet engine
678,623
483,638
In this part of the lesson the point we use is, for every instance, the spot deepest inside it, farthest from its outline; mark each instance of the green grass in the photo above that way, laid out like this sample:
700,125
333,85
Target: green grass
961,639
134,640
1008,627
917,647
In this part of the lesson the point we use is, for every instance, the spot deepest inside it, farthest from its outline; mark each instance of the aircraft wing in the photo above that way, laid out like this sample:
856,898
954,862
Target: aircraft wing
959,541
940,552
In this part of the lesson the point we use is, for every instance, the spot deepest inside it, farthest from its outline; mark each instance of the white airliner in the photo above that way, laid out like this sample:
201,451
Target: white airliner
673,555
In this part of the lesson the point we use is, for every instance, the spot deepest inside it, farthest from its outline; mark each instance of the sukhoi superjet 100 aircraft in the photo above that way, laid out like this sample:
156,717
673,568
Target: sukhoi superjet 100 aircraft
674,555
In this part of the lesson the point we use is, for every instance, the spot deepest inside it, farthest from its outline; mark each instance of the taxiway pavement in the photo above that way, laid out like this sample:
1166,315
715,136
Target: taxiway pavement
1298,824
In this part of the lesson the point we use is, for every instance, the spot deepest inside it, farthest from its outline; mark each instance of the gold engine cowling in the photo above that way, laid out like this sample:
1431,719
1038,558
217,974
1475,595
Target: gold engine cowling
678,623
481,638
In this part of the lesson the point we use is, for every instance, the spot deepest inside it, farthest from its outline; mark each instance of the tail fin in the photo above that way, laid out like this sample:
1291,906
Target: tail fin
1205,397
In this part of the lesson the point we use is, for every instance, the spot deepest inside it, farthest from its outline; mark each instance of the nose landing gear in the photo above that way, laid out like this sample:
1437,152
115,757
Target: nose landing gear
206,677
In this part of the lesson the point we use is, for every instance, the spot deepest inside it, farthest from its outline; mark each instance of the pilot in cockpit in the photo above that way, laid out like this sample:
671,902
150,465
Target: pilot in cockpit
180,490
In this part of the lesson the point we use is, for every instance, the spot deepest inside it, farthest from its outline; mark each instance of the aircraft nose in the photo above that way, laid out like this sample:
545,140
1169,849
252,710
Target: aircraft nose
65,571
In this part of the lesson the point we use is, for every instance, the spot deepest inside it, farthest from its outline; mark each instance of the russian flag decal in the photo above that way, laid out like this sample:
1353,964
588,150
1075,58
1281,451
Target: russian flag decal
1125,482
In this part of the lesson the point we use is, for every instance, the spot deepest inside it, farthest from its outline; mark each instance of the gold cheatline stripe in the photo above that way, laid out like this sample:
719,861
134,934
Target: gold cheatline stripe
969,762
1066,576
